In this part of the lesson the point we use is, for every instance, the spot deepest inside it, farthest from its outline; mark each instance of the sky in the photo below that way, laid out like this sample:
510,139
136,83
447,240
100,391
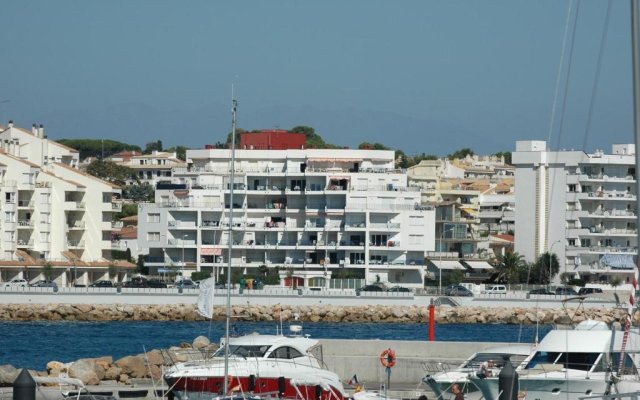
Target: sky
423,76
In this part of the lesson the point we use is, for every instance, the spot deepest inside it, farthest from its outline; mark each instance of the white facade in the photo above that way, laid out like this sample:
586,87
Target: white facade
150,168
579,206
51,213
313,209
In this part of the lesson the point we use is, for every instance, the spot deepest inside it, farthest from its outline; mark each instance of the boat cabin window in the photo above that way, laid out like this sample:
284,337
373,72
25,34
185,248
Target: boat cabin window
628,368
243,351
285,352
579,361
497,358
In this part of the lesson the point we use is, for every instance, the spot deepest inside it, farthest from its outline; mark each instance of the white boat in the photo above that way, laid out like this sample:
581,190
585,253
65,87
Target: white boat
262,365
570,364
441,379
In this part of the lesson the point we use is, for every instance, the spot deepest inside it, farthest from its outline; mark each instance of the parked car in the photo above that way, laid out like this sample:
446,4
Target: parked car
44,283
16,282
136,282
102,283
588,290
186,284
566,291
400,289
458,290
370,288
156,283
541,291
495,289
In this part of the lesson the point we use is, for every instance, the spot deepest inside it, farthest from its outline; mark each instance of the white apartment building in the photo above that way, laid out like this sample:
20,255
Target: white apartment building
149,168
312,211
579,206
52,213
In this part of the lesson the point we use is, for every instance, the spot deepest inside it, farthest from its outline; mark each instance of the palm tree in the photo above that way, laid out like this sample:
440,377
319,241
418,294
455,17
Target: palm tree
509,266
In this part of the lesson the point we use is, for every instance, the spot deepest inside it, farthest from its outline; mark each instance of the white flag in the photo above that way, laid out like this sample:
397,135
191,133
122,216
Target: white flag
205,298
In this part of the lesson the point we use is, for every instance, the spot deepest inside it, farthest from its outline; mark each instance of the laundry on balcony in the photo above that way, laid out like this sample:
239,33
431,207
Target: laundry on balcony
618,261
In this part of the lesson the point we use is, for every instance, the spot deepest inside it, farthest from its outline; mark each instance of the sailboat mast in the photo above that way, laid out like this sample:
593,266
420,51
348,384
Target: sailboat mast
635,54
234,110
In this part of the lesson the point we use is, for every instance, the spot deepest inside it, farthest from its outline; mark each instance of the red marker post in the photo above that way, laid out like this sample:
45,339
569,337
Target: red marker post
432,322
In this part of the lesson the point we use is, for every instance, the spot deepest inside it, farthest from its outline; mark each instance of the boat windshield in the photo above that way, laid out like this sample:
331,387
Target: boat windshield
497,358
243,351
577,361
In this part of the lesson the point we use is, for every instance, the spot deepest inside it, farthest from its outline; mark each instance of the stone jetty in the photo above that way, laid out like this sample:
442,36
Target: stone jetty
94,371
316,313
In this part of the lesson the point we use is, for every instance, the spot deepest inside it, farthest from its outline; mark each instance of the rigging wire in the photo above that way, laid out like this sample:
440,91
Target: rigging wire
596,78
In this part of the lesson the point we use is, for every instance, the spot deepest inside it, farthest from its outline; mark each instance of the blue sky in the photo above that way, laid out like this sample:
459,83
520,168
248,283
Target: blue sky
419,75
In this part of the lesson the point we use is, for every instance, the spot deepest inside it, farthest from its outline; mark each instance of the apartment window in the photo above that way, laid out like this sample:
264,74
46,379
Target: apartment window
153,236
416,220
44,237
153,217
44,198
44,218
8,236
8,216
416,239
572,188
572,242
9,197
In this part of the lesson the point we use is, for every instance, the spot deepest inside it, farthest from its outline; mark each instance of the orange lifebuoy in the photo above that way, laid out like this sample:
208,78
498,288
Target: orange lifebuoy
388,358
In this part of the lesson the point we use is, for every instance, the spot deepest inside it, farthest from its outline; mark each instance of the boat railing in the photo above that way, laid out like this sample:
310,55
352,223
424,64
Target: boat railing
432,368
174,356
615,396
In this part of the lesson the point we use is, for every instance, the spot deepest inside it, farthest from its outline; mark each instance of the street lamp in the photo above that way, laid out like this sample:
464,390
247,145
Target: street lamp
550,257
444,231
184,237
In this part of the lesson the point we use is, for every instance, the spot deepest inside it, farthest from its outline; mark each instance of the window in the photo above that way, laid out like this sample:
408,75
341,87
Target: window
572,188
285,353
572,242
44,198
8,236
44,218
153,236
8,216
153,217
9,197
44,237
416,220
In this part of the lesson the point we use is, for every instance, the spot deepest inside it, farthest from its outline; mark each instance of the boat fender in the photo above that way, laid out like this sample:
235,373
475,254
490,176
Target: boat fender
388,358
318,392
252,383
281,386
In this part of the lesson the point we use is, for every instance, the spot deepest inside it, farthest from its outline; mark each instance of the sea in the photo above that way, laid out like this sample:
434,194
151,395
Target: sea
33,344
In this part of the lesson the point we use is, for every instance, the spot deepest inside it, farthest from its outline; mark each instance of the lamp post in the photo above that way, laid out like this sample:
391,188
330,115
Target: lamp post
184,237
444,231
550,257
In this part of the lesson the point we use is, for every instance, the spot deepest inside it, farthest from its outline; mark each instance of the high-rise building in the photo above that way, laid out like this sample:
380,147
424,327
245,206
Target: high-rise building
579,206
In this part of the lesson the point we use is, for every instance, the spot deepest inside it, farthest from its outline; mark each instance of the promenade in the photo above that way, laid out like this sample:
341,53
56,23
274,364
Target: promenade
288,297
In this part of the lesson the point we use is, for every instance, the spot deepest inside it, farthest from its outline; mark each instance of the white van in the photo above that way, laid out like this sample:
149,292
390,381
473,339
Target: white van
495,289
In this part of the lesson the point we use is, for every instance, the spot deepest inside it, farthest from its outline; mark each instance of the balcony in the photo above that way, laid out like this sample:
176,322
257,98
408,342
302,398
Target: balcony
25,224
75,244
27,204
24,243
116,206
117,224
77,225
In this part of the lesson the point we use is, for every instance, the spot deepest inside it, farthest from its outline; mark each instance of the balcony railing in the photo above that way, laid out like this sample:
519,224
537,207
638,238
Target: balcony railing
25,223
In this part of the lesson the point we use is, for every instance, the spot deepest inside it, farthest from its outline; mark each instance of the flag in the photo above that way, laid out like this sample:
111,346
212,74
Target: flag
205,298
354,380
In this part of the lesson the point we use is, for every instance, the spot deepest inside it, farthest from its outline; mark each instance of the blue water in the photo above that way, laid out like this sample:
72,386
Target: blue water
33,344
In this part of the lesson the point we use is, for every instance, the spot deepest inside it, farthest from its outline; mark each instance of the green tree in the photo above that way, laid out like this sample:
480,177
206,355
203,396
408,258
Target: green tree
452,278
181,152
97,147
510,268
111,172
506,155
372,146
128,210
314,140
47,271
239,132
153,146
137,193
462,153
544,269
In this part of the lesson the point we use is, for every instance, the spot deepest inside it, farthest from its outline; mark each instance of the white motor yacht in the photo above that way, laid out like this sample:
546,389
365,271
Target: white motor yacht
570,364
441,379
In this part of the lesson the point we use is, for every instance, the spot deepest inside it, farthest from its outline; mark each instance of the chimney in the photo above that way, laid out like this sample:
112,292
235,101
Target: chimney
41,131
34,130
10,123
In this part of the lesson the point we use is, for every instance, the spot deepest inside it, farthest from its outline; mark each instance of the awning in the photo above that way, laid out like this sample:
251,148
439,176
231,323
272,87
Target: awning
618,261
339,178
447,264
334,159
478,264
210,251
180,193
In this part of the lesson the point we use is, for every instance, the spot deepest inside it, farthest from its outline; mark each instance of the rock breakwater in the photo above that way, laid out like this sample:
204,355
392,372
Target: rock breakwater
317,313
